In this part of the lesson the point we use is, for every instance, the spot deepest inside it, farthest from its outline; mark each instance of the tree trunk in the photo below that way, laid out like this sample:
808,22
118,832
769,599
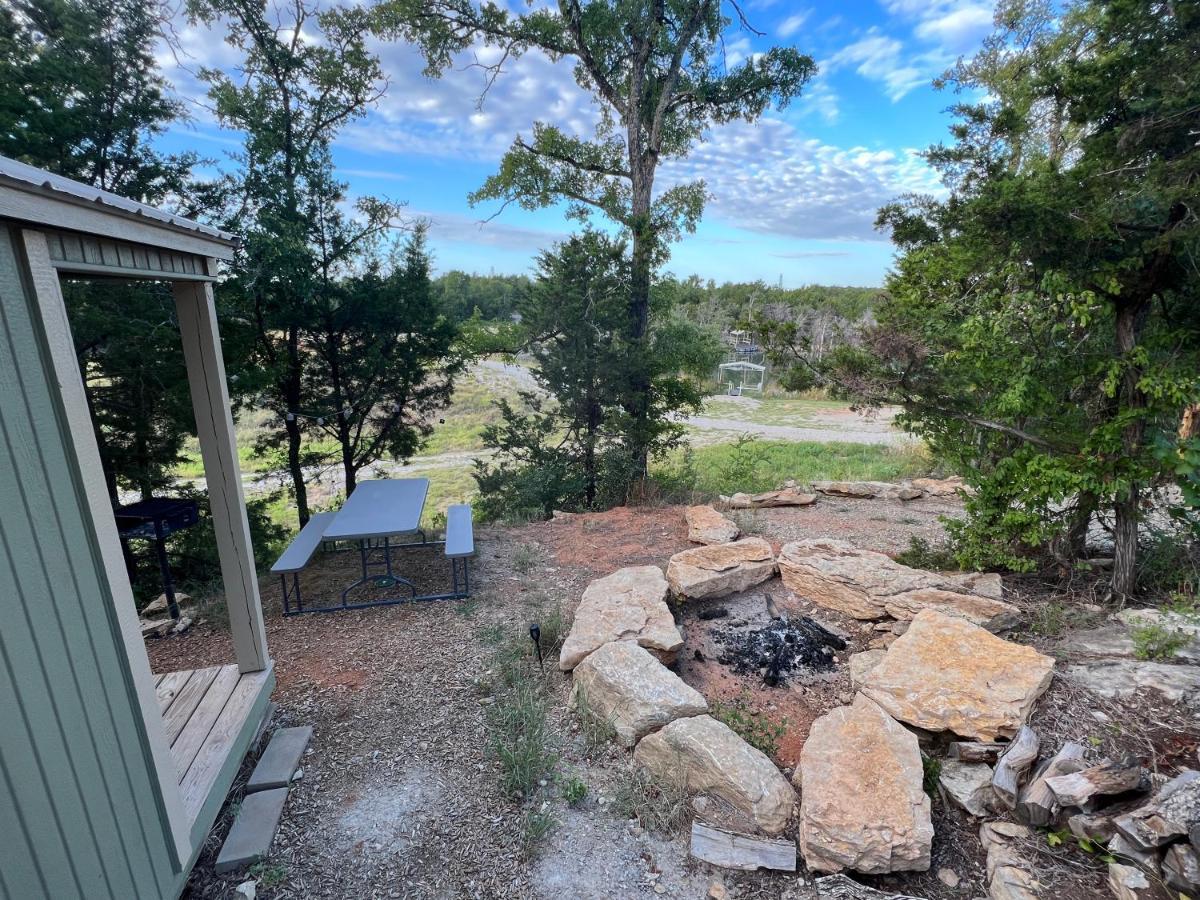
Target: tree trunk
1131,316
291,392
637,404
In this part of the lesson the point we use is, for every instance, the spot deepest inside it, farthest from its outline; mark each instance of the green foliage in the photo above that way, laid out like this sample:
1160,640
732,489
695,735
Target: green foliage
268,874
574,447
923,555
752,726
1041,326
536,824
574,790
931,771
658,75
1155,640
803,461
660,805
740,467
489,298
519,735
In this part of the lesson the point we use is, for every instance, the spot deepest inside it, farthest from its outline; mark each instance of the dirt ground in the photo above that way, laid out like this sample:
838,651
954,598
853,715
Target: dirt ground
400,795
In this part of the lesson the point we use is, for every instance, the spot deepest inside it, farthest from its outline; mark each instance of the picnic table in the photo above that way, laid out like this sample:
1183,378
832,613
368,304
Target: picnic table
372,520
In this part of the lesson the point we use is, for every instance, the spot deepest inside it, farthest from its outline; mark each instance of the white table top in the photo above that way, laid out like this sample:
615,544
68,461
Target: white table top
380,508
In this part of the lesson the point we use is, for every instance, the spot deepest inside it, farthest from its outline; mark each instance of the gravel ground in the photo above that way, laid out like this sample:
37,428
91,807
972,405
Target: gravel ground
400,794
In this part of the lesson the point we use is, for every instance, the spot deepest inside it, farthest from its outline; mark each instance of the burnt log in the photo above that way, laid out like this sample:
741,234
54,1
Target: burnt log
1037,804
1013,764
976,751
1105,779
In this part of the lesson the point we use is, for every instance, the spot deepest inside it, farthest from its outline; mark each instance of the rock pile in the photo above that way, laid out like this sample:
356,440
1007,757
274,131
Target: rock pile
628,605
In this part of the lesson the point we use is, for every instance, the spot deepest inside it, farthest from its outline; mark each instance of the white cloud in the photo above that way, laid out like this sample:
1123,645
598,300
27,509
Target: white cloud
769,178
957,30
882,58
793,23
819,98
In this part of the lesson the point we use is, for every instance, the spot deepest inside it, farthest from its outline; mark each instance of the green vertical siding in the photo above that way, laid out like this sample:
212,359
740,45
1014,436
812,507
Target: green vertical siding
80,813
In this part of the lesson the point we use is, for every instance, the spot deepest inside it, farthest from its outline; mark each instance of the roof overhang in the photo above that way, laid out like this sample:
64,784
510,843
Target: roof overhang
33,197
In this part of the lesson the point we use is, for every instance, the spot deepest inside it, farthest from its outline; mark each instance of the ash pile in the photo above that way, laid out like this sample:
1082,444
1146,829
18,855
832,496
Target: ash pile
778,649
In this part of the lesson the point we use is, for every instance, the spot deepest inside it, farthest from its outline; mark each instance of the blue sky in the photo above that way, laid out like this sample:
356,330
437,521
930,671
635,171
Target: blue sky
793,195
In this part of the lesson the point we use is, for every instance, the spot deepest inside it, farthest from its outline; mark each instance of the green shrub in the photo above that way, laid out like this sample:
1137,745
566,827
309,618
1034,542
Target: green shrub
574,790
535,825
753,727
931,769
1157,641
923,555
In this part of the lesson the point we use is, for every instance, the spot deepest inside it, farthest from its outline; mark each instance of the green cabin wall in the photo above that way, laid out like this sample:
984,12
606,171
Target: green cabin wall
80,809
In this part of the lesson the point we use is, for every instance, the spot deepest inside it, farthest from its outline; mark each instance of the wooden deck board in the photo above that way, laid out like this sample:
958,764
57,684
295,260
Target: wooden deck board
201,721
169,686
180,711
204,769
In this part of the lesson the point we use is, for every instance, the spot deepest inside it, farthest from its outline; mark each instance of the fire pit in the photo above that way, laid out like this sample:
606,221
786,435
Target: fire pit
778,649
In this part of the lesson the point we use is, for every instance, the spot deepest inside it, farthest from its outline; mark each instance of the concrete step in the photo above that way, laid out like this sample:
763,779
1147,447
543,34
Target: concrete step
253,830
279,761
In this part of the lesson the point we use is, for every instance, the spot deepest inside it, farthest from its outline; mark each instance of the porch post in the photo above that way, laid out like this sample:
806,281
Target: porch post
214,426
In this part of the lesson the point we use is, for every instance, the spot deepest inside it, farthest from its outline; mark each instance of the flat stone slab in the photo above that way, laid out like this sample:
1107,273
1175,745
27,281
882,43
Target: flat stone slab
707,526
721,569
624,684
862,805
945,674
279,761
253,830
1128,679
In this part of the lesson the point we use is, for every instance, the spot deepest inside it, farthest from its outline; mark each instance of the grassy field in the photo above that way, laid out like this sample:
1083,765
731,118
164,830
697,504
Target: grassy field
772,409
719,463
765,465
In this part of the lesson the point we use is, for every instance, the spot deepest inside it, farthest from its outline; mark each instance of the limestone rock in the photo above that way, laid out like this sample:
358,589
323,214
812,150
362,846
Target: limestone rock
982,584
1126,679
862,584
710,758
707,526
862,663
1131,883
994,615
868,490
967,785
862,806
788,496
159,603
1181,868
1010,876
945,674
940,487
839,887
1170,813
623,684
628,605
721,568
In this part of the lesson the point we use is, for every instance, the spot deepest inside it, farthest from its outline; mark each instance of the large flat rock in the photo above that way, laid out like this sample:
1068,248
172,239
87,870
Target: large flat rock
869,585
1128,679
709,757
945,674
862,806
628,605
721,569
626,686
707,526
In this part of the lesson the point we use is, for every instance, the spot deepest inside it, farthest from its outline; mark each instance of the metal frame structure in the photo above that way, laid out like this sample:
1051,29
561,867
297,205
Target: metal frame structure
741,366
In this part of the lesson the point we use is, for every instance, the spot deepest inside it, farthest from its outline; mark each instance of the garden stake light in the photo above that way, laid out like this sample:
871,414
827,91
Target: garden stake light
535,635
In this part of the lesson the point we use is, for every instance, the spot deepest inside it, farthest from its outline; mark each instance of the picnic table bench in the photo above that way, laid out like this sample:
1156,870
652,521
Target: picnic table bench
375,513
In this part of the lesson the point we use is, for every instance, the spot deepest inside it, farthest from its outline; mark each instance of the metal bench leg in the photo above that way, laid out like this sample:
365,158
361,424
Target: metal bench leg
291,593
